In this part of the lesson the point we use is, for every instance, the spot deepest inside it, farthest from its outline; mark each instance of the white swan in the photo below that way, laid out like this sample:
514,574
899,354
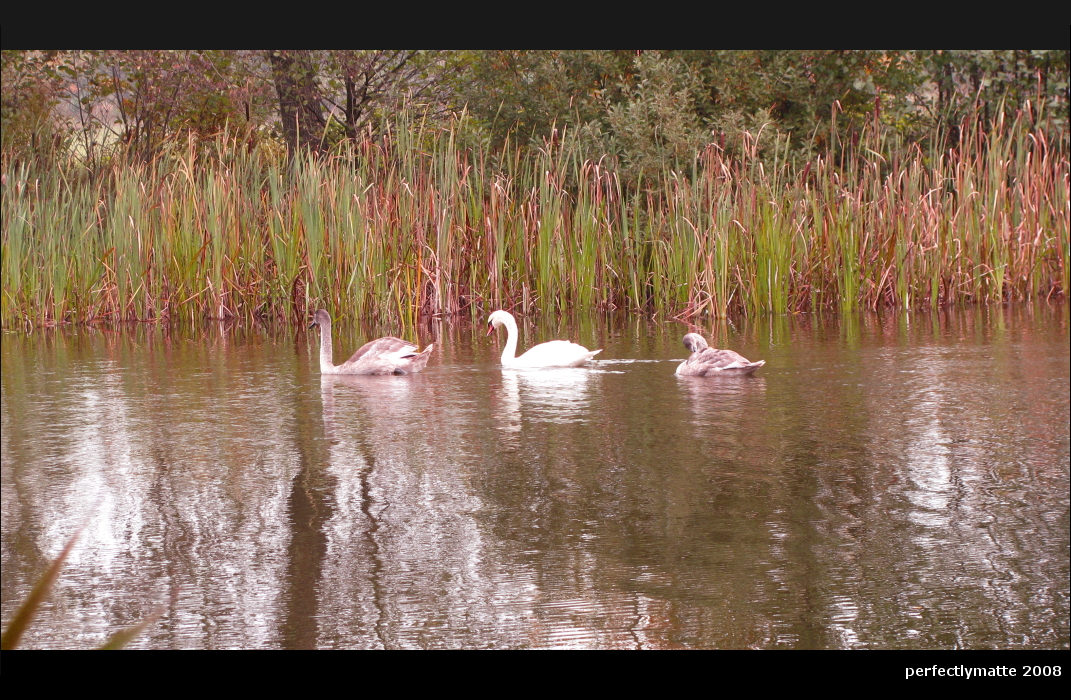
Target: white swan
387,355
556,353
708,362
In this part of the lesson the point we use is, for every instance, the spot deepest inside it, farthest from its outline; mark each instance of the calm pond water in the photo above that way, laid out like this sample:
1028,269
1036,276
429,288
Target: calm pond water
894,481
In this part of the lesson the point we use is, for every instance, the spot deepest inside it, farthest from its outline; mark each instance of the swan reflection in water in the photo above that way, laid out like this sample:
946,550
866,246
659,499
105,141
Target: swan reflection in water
557,395
386,400
724,408
402,526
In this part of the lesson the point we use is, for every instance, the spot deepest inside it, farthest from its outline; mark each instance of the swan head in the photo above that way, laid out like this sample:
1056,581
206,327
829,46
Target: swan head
695,342
320,318
497,319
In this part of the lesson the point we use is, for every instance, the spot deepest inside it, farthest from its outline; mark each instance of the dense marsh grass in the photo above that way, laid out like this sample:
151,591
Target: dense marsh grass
416,226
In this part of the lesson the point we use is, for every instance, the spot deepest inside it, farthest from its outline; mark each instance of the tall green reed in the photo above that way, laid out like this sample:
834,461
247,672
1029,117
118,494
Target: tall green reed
414,226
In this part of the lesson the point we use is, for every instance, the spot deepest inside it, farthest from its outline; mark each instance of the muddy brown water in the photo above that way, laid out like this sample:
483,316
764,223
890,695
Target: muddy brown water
885,481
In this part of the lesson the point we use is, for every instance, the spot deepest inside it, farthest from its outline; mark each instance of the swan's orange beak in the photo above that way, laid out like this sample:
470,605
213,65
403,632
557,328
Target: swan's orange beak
490,328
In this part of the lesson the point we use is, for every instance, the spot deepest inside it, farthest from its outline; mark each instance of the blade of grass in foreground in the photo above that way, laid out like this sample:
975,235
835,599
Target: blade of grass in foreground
25,614
124,636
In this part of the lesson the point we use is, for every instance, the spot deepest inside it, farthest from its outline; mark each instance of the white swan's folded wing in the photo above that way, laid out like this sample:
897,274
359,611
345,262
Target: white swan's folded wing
556,353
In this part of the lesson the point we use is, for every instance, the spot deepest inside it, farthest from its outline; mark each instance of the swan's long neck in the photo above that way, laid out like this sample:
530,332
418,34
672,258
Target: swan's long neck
326,364
509,353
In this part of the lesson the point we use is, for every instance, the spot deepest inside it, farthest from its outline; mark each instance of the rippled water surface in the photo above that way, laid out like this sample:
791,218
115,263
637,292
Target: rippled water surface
896,481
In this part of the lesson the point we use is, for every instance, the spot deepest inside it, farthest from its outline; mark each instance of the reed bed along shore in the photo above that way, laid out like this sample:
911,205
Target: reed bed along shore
414,225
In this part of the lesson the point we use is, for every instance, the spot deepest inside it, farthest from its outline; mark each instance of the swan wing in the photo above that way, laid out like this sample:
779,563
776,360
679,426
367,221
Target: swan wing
382,347
413,361
712,361
556,353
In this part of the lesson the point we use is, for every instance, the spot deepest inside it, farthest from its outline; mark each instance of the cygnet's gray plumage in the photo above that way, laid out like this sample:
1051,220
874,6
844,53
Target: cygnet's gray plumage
708,362
387,355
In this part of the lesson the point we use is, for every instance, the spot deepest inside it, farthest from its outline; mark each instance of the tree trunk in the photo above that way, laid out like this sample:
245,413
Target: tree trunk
294,73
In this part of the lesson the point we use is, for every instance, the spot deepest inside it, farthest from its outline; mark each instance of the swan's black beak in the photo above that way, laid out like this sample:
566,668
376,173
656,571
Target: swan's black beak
313,325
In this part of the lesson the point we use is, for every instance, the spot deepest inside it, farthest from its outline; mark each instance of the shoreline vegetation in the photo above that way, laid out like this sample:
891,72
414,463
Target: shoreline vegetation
412,225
